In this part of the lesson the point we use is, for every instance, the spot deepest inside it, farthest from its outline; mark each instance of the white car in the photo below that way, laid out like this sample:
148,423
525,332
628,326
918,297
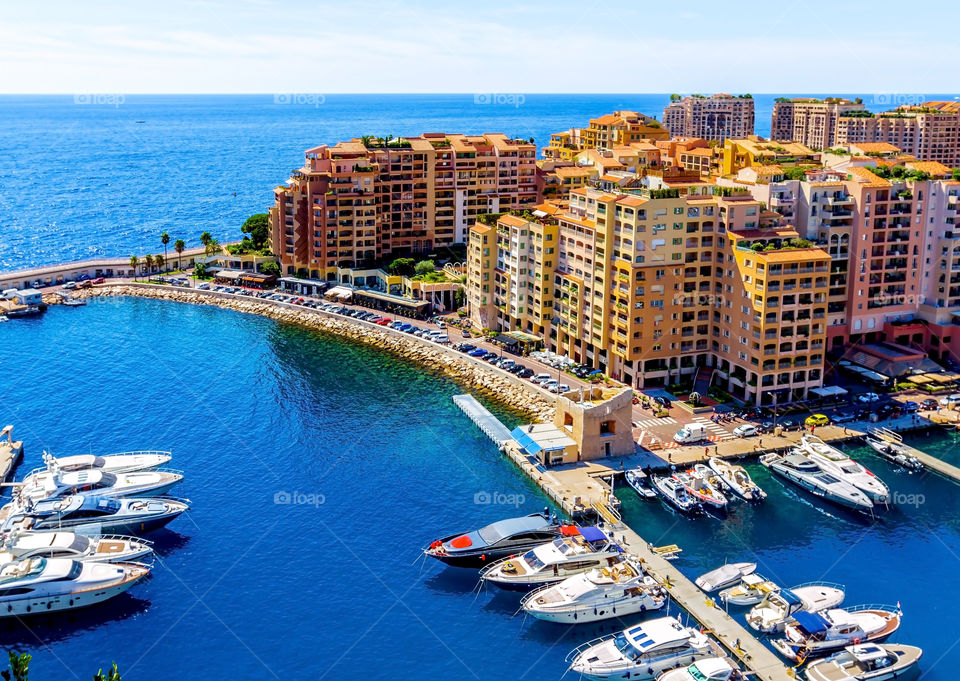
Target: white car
540,378
746,430
69,286
550,384
950,400
867,398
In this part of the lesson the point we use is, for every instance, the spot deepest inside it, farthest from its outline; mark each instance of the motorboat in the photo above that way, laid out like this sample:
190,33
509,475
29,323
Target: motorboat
751,590
807,474
497,540
597,595
707,669
675,493
641,652
725,575
772,613
814,634
736,479
51,484
838,464
709,496
90,514
578,550
866,662
106,548
889,445
42,585
640,482
124,462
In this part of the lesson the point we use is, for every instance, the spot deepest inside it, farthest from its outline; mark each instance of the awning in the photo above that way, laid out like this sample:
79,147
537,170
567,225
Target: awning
229,274
346,295
828,391
593,533
811,622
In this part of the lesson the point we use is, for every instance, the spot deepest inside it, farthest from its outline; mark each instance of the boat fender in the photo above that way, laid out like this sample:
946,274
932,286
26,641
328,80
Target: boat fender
643,607
856,641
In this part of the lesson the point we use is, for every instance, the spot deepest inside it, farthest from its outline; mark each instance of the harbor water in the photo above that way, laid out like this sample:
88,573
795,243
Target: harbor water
318,468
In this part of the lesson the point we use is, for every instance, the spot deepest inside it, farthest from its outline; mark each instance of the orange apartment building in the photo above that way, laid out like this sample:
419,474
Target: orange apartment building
620,128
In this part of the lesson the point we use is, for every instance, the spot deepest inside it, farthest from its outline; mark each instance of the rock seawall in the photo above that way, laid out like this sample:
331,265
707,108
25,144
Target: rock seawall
473,374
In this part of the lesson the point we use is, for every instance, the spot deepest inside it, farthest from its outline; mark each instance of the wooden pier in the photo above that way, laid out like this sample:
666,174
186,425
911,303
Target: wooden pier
10,452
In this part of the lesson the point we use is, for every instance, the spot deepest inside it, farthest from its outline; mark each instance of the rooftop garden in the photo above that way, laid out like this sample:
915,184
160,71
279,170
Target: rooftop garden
387,142
779,245
900,173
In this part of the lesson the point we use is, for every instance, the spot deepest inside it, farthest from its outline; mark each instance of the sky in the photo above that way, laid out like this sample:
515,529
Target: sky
360,46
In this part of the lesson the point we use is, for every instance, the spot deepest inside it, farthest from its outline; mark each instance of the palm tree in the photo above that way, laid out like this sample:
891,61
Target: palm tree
159,261
164,239
148,261
178,246
134,261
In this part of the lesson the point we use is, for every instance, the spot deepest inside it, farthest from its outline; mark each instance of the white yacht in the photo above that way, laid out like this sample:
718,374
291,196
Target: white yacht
641,652
725,575
672,491
597,595
771,614
737,479
56,483
710,497
640,482
814,634
41,585
837,463
93,515
808,474
889,445
107,548
549,563
866,662
707,669
751,590
124,462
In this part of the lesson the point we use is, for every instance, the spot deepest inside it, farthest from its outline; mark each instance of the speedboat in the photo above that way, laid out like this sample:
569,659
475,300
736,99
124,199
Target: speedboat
641,652
125,462
837,463
806,473
890,446
725,575
812,634
640,483
772,613
675,494
579,550
751,590
107,548
737,479
709,496
866,662
597,595
95,515
51,484
41,585
495,541
707,669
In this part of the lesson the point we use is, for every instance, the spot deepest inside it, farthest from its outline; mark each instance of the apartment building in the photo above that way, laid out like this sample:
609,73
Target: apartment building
713,118
755,150
617,129
812,122
360,202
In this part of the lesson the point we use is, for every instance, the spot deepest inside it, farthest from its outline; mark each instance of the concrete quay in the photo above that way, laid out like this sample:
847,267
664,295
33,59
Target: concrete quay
10,452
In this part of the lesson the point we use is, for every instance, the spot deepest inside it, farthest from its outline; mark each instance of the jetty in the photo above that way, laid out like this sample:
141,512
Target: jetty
488,423
10,452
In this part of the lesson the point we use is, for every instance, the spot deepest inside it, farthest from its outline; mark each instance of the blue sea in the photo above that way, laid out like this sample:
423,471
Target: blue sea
105,175
318,468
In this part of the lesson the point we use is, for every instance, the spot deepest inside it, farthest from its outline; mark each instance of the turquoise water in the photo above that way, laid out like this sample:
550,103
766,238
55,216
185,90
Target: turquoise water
247,588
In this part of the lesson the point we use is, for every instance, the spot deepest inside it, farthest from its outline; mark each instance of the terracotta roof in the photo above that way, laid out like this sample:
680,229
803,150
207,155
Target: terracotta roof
512,220
867,176
935,168
875,147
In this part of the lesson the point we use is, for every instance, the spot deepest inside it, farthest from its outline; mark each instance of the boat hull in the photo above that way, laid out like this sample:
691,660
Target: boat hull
804,483
599,612
72,601
907,659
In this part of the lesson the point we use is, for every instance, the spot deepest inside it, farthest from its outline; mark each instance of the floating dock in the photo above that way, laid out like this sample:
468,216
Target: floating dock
10,452
484,420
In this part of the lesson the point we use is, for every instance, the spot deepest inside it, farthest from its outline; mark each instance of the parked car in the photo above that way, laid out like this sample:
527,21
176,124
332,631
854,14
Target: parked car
816,420
745,430
663,401
909,406
516,369
765,427
540,378
844,417
788,424
867,398
204,286
69,286
98,280
950,400
888,411
928,404
525,373
479,352
550,384
466,347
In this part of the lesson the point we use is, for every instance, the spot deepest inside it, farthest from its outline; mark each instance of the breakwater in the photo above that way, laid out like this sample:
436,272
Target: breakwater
477,375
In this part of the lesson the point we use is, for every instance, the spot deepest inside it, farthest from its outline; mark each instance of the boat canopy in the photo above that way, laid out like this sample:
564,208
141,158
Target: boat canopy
790,597
593,533
811,622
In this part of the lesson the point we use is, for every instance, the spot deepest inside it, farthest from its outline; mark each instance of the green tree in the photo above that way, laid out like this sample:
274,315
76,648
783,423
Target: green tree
425,267
258,226
205,238
200,270
164,239
178,246
134,262
401,266
160,260
19,667
675,98
270,268
148,262
112,675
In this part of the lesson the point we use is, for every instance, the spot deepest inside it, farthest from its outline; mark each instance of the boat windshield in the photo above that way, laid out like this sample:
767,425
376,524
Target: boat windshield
531,559
490,534
625,647
696,673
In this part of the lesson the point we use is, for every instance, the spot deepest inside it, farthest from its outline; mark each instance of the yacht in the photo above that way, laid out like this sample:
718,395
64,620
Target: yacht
751,590
814,634
725,575
55,483
707,669
587,548
838,464
125,462
92,514
866,662
709,496
642,652
497,540
675,494
597,595
110,549
640,483
889,445
41,585
804,472
737,479
772,613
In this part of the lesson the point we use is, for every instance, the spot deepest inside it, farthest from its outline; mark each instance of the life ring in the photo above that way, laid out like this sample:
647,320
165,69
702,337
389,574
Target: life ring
856,641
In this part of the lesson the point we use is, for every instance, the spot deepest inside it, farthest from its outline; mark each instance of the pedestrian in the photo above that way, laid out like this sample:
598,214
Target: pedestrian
761,443
706,451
